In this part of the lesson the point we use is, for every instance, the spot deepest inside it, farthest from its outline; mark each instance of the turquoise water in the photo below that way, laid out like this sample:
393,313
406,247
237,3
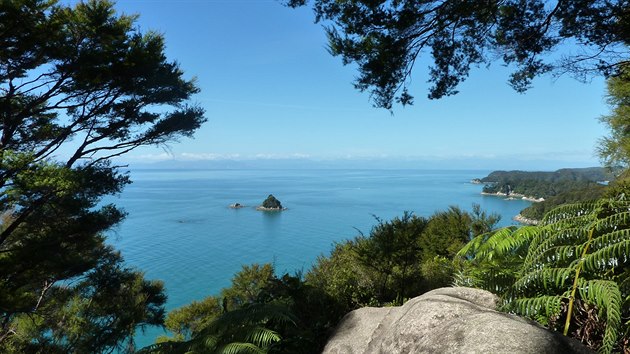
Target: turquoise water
180,229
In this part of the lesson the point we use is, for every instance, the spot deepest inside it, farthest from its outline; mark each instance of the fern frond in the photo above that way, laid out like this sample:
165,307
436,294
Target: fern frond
519,239
253,314
606,295
209,341
614,205
240,348
575,222
558,256
543,252
470,249
202,344
550,235
571,235
463,279
495,257
549,306
493,276
610,238
608,257
489,244
543,279
612,222
544,233
262,337
568,211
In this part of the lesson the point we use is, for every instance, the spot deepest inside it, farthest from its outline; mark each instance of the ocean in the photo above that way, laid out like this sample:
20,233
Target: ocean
181,230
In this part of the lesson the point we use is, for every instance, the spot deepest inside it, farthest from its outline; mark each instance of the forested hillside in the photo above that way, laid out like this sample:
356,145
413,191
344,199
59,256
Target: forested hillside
536,211
546,184
567,185
592,174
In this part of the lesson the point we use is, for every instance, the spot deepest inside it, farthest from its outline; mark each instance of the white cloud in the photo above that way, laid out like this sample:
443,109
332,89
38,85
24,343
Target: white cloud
205,156
150,157
208,156
278,156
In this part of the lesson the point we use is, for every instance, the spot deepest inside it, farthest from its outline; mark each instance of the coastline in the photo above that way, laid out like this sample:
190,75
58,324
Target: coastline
525,221
515,196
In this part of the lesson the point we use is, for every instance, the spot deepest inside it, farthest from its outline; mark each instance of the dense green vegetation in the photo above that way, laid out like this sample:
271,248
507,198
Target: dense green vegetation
533,188
546,184
615,148
536,211
571,273
82,80
590,174
563,186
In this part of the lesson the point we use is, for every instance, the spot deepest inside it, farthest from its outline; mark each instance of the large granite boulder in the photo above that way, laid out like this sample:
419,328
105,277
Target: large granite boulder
447,320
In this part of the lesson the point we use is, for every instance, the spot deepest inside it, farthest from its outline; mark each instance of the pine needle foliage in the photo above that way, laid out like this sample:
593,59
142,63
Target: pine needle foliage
580,252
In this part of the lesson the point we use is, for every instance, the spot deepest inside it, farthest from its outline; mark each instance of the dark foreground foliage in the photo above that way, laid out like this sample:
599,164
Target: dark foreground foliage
79,86
385,39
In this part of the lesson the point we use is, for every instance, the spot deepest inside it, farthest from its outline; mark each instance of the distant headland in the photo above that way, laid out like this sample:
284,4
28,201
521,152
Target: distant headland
546,189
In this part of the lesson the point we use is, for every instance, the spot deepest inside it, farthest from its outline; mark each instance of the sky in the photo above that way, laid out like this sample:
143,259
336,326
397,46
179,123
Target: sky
272,92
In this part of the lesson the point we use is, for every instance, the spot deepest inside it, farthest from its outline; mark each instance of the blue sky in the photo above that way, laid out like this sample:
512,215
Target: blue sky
271,91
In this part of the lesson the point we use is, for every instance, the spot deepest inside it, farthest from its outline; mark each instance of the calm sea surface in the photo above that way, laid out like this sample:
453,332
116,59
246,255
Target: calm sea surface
180,229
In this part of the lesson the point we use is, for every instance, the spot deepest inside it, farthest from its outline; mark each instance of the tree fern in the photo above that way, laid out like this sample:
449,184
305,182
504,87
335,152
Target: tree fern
578,251
606,295
487,245
541,279
542,308
494,257
568,212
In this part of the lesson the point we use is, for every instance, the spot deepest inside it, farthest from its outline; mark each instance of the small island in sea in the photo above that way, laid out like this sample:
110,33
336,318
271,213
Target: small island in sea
236,206
271,204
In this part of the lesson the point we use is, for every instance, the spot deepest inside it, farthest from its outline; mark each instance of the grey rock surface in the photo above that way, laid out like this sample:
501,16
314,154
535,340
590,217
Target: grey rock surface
446,320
